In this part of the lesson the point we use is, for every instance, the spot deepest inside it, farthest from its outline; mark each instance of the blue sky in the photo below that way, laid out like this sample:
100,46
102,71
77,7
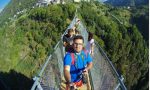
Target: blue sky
3,3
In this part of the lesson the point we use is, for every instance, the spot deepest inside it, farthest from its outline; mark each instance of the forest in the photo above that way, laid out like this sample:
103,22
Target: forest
27,40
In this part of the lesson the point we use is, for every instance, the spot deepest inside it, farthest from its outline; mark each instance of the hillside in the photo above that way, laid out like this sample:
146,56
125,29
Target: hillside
29,40
31,37
141,19
123,42
13,7
127,2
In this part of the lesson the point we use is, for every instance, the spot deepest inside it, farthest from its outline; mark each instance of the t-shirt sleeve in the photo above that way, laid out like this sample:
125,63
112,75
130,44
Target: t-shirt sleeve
89,58
92,41
67,59
64,39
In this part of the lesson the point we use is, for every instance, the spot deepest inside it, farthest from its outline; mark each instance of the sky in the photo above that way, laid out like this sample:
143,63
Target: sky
3,3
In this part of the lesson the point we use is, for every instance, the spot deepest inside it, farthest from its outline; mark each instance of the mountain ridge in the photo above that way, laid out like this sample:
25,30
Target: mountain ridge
127,2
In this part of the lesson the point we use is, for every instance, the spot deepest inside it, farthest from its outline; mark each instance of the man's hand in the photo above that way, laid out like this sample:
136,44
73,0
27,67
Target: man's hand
71,86
85,71
92,54
89,66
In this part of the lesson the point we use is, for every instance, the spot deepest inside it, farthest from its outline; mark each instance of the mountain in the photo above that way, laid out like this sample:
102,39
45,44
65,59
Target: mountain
30,38
127,2
27,40
14,7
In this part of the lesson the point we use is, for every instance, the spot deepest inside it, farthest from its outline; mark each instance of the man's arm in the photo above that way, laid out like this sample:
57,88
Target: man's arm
88,84
67,73
92,49
92,46
89,65
65,44
89,62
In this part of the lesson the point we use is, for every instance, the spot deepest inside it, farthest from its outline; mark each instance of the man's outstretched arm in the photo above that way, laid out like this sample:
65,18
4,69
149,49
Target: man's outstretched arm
89,65
67,73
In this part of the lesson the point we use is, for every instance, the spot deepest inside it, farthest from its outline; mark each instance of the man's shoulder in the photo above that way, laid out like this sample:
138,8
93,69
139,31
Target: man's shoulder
87,54
67,54
67,36
85,51
67,59
92,40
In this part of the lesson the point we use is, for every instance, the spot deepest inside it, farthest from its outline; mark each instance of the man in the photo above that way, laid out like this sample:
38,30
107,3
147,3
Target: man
77,64
90,44
68,40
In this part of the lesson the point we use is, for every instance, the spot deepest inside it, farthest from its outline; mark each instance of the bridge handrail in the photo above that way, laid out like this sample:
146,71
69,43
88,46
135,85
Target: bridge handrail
36,83
113,68
48,59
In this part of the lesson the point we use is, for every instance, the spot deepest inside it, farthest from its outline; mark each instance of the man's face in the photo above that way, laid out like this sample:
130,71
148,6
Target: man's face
71,33
78,45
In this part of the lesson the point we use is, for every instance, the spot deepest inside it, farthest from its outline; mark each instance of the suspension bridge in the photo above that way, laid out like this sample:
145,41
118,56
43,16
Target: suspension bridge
103,75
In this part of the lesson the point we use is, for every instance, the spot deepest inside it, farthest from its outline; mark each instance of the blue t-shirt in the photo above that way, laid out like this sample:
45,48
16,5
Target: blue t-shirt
81,60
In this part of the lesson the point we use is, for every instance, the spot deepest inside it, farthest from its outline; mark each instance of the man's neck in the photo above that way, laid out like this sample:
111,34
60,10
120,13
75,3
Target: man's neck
78,53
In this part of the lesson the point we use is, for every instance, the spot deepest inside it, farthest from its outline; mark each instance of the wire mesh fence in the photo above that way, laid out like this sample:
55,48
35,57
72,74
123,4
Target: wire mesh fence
102,75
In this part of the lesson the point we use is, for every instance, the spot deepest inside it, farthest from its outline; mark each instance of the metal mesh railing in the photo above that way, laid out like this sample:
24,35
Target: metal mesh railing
103,75
51,77
52,71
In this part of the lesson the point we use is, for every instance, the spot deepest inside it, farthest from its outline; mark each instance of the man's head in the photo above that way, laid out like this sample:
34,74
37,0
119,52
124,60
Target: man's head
90,36
77,32
78,43
70,32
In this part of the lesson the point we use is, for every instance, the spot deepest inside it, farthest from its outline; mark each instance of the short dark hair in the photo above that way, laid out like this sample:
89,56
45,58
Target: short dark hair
70,30
76,31
90,36
78,37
